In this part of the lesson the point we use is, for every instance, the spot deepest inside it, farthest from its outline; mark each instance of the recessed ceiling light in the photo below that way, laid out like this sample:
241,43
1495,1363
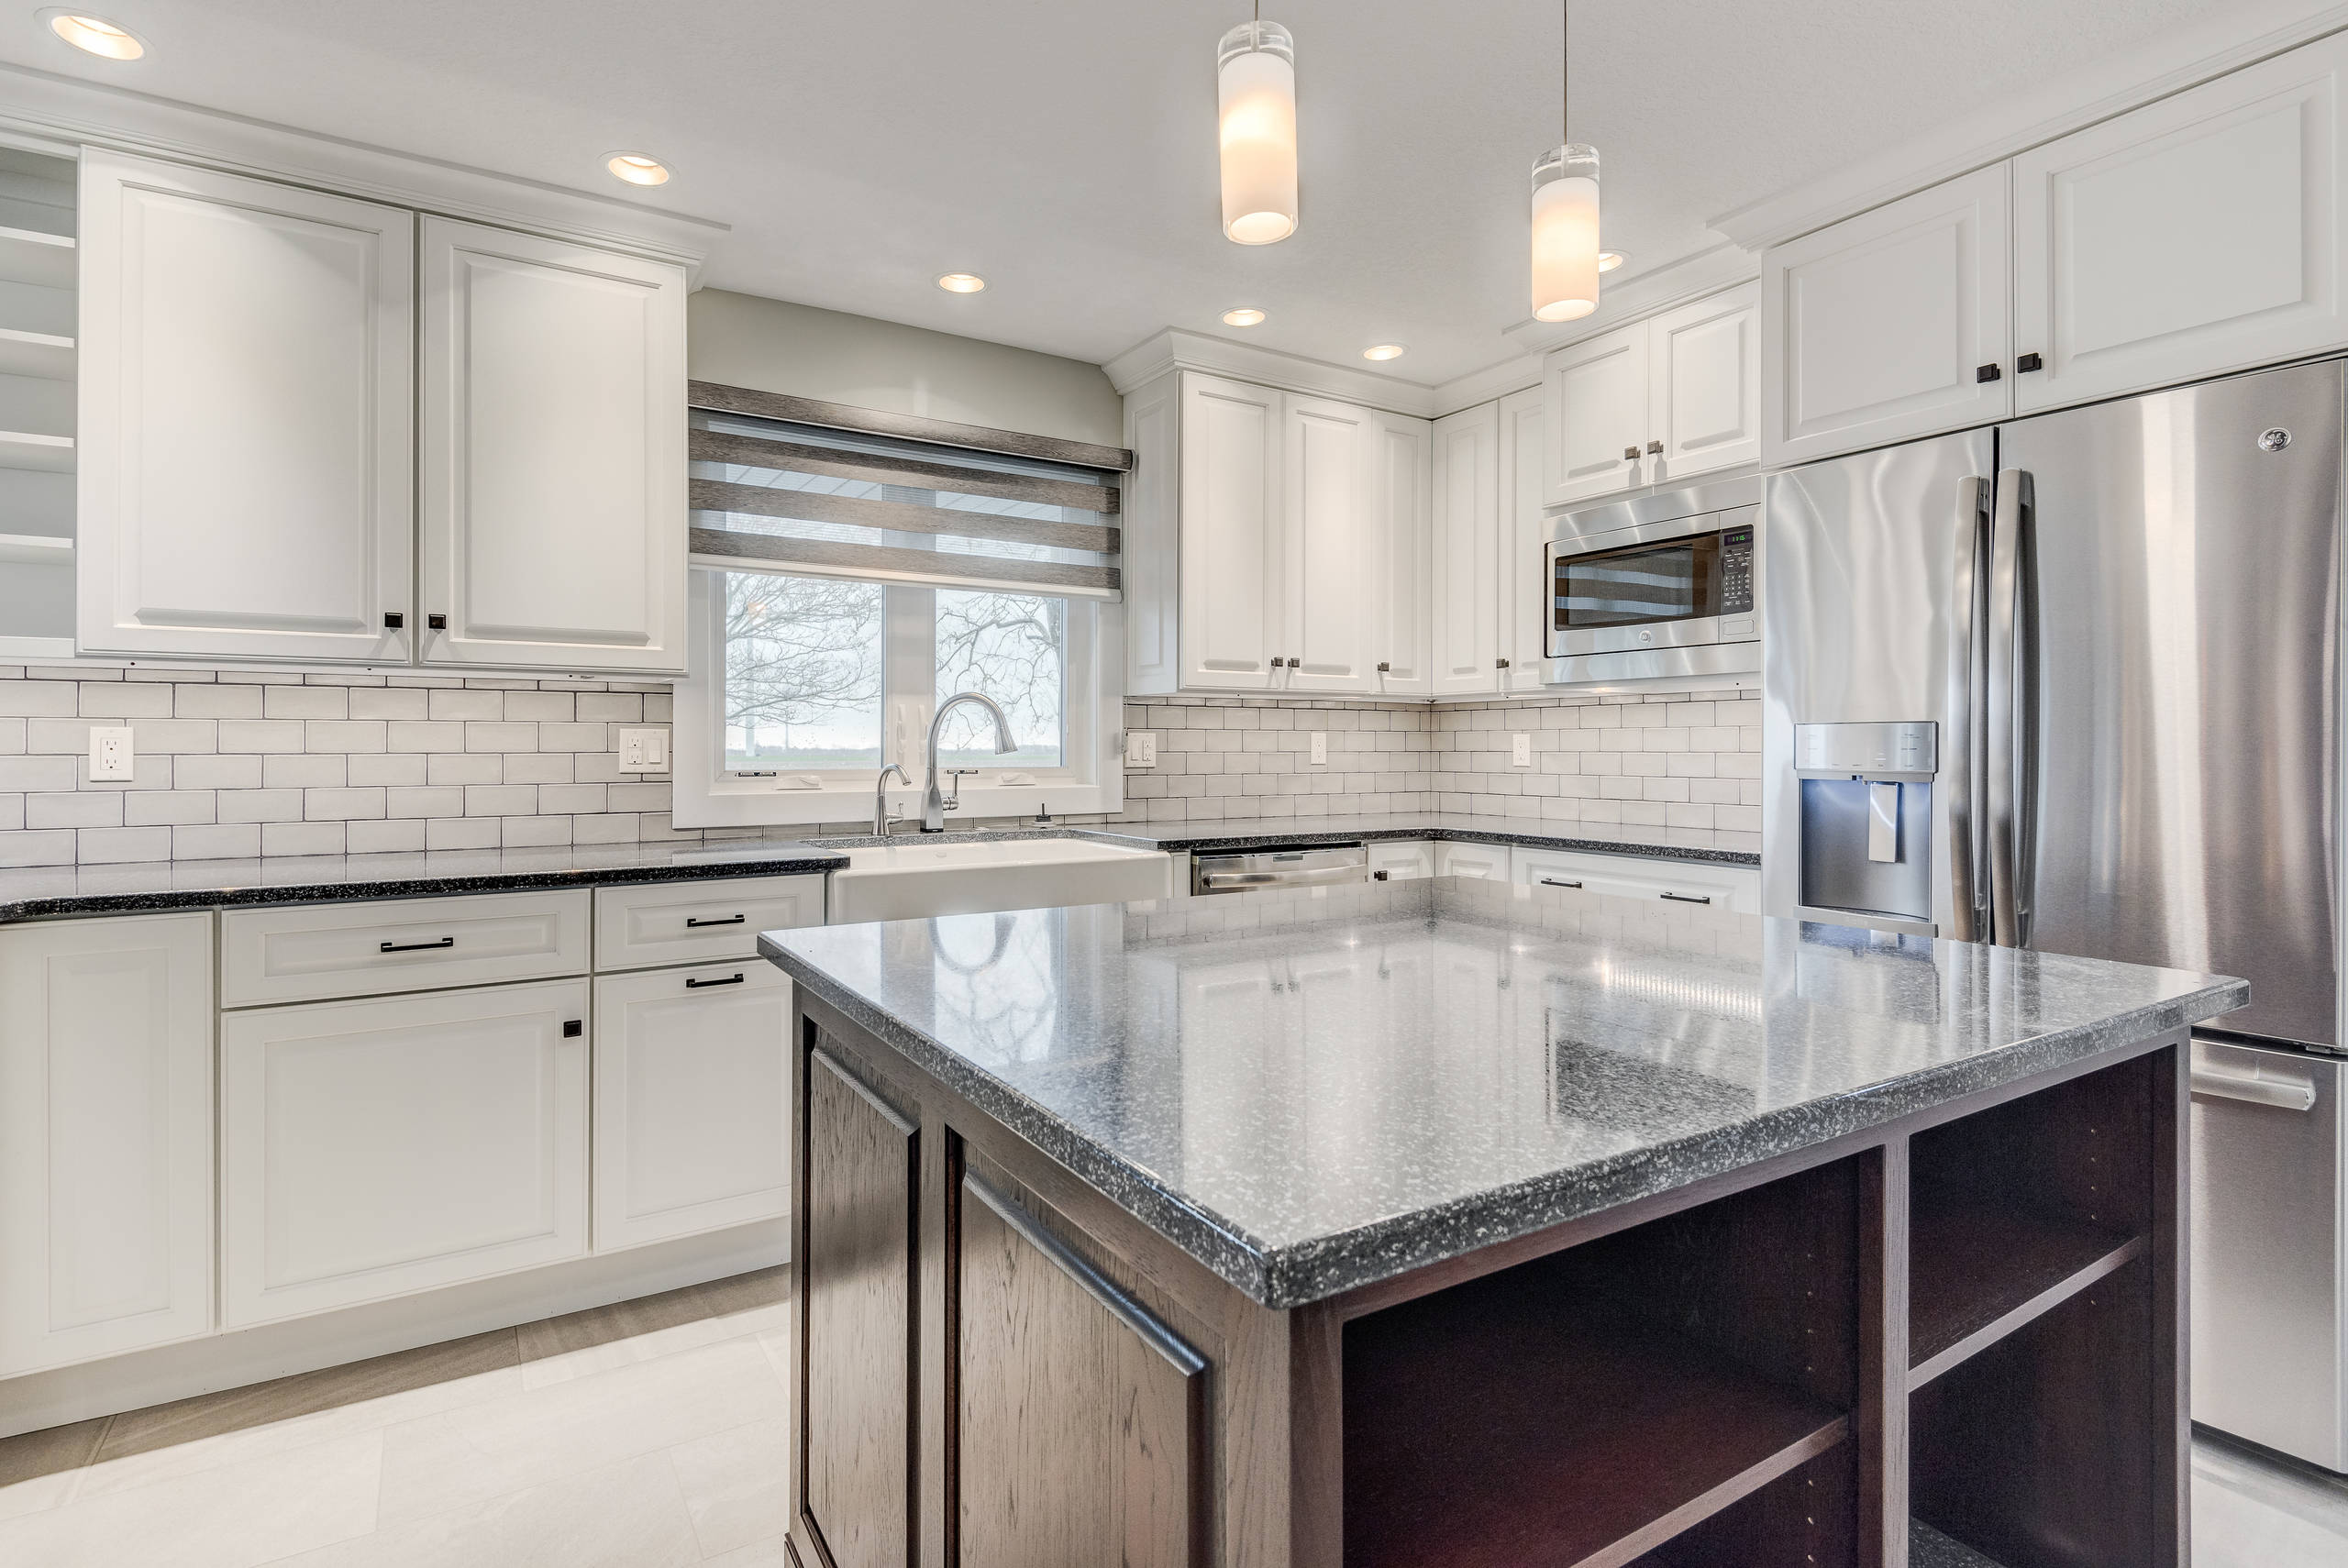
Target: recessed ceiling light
1382,351
1609,260
95,34
961,282
636,169
1248,318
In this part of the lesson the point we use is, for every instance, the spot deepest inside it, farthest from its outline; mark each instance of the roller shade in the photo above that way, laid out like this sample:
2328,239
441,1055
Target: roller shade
793,496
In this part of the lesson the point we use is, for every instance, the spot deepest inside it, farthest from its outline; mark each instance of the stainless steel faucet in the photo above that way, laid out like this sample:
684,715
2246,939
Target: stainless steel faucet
933,805
880,817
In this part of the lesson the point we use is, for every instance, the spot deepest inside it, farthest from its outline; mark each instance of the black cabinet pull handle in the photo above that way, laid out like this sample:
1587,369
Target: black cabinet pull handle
1654,448
1548,882
729,980
692,921
1683,899
418,946
1630,454
436,623
1987,373
572,1028
2027,363
394,620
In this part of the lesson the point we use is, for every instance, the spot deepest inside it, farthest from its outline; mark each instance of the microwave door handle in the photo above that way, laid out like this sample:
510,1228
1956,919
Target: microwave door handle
2002,718
1968,903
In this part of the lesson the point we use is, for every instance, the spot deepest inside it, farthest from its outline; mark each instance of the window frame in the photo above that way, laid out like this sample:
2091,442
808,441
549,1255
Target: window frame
1089,780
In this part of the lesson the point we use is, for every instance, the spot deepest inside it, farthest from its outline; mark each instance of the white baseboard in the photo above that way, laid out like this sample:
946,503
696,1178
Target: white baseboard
42,1399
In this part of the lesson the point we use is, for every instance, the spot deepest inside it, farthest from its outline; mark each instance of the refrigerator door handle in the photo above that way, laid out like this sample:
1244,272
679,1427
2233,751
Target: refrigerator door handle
2006,746
1968,892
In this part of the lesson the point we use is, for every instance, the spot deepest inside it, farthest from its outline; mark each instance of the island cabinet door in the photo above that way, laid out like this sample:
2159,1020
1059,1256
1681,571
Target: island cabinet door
1081,1428
858,1239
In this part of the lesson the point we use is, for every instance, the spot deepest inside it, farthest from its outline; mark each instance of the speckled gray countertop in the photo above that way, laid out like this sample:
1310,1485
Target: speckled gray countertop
1734,848
1310,1094
54,892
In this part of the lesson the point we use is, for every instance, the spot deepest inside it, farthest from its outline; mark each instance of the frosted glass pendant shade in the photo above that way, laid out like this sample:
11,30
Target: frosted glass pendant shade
1256,94
1565,233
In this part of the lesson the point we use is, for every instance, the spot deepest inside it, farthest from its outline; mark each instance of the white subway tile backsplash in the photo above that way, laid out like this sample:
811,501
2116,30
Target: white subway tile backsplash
307,702
232,841
301,838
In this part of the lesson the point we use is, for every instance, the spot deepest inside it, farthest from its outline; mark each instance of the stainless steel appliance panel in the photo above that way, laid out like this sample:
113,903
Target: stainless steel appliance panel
1871,592
1244,871
2165,616
2270,1231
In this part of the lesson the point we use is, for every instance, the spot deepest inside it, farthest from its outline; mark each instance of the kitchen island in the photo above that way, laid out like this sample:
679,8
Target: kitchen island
1447,1223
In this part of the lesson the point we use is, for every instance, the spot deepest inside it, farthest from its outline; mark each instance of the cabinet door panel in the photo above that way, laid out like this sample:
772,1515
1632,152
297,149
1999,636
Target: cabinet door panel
1152,537
1525,528
2119,289
1704,400
375,1148
692,1111
1877,327
1597,394
105,1137
553,453
1403,640
1232,567
859,1166
1466,552
244,392
1330,530
1485,862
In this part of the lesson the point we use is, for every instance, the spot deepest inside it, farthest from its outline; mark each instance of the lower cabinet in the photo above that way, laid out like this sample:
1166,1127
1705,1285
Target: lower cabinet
1719,887
375,1148
1486,861
1403,860
105,1137
692,1100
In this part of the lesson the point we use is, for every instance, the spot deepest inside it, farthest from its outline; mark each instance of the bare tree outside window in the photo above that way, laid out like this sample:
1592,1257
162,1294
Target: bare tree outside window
803,672
1014,648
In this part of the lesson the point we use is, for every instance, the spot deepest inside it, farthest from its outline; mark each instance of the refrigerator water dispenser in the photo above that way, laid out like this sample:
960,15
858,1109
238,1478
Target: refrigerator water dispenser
1866,817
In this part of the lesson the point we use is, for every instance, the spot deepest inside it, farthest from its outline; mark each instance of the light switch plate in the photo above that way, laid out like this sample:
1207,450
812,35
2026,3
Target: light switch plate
110,752
1320,749
1520,749
644,748
1141,748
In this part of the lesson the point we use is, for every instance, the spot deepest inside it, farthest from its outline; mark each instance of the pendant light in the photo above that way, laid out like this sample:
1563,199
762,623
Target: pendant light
1256,102
1565,213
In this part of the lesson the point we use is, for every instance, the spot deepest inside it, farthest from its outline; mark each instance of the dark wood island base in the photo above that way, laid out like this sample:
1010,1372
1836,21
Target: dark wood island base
1954,1338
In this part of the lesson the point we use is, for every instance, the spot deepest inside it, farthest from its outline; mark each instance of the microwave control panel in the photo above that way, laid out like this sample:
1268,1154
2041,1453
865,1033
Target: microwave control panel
1736,571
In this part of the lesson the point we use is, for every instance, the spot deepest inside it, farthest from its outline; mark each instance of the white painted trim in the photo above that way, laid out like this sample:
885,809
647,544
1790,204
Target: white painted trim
60,108
1660,288
2180,58
42,1399
1174,349
1514,374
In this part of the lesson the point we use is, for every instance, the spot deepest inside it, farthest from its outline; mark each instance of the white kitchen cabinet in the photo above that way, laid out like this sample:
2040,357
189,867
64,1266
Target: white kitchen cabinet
372,1149
1470,555
1881,327
1401,860
307,953
1485,862
105,1137
245,424
1597,395
553,456
1699,884
2198,234
700,922
1704,385
1403,644
1330,511
1232,549
692,1100
1524,531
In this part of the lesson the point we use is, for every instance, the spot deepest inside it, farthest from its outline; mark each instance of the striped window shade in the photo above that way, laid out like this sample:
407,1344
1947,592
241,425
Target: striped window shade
814,498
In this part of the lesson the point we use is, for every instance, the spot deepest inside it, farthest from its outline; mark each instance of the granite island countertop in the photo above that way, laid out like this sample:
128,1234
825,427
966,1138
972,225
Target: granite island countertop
1313,1094
52,892
1726,846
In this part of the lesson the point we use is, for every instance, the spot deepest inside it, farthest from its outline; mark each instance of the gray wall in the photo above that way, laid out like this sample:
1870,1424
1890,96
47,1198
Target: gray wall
776,346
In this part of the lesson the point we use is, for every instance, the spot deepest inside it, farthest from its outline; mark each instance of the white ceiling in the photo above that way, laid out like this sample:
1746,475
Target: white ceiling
1066,150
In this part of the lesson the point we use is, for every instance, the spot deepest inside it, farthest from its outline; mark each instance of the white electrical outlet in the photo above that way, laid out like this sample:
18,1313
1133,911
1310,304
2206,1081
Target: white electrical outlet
1141,748
110,752
1521,750
1320,749
644,748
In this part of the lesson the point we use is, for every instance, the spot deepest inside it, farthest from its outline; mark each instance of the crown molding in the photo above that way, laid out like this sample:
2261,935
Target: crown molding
2181,59
1516,373
36,103
1174,349
1690,277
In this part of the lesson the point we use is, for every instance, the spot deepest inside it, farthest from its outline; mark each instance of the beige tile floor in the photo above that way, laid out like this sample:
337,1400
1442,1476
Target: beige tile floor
646,1435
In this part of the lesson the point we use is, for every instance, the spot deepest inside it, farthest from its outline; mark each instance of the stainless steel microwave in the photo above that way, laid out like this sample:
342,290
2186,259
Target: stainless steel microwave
1658,587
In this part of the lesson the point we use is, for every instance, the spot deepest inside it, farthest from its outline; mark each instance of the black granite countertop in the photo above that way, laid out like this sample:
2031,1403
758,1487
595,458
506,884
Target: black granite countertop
1309,1094
1722,845
51,892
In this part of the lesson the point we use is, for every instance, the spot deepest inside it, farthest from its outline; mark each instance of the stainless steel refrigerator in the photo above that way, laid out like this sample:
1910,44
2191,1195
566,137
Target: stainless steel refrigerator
2073,683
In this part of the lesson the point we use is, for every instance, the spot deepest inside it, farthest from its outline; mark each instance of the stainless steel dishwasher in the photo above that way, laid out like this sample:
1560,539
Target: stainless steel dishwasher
1278,865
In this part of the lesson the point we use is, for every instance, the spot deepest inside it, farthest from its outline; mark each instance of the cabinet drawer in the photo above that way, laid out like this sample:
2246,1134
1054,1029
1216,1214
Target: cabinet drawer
693,923
1487,862
1642,877
316,951
1403,860
371,1149
692,1100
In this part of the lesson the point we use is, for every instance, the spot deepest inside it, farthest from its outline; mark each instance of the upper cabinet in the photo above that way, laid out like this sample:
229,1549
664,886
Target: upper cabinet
1274,542
1889,325
1667,398
246,390
250,378
553,454
1490,622
2199,235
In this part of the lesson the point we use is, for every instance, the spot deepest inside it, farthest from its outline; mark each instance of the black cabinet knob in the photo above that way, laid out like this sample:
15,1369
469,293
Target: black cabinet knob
573,1028
2027,363
1654,448
1987,373
1630,454
394,620
437,623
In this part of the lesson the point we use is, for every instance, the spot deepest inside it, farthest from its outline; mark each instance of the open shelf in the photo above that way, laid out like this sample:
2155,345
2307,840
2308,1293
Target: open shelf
42,354
46,454
34,550
31,255
1978,1273
1513,1429
1928,1547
